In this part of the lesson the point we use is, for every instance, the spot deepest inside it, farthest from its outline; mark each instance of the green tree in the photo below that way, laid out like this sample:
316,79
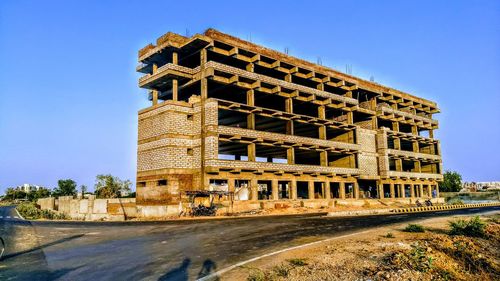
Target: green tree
12,193
40,193
452,182
83,189
107,186
65,187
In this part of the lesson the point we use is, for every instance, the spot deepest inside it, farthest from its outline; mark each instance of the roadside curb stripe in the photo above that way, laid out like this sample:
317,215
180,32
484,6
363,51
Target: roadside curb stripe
222,271
443,207
18,214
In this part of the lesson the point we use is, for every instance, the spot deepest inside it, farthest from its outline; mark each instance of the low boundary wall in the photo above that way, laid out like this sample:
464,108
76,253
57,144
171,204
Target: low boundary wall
115,209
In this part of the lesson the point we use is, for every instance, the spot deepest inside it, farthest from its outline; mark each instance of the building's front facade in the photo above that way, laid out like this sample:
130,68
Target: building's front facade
231,115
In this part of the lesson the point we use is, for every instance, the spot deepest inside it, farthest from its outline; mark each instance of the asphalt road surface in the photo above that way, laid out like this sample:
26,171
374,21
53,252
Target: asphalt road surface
183,250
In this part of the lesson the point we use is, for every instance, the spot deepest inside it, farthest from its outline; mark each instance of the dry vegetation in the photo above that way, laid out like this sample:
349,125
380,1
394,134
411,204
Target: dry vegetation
394,254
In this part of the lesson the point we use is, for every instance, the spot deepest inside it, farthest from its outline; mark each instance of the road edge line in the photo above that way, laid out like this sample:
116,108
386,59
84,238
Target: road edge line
18,214
229,268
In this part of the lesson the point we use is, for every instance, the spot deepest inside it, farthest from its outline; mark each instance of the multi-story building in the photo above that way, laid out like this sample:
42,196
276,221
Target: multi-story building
232,115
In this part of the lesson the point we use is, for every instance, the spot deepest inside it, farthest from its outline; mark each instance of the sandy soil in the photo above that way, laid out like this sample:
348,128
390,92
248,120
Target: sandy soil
375,255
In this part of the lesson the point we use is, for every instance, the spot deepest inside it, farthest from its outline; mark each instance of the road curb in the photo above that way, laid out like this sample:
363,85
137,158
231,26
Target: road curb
18,214
443,207
410,210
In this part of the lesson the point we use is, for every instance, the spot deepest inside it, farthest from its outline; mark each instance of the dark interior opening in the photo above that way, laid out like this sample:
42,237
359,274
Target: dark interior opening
269,101
226,92
302,190
232,118
305,130
229,150
269,124
307,157
271,154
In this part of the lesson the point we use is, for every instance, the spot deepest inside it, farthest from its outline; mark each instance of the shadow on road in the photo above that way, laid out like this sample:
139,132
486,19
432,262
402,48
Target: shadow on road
207,268
181,273
41,247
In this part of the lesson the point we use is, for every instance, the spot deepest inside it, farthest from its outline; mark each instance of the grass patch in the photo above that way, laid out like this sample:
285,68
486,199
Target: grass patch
256,275
416,259
473,228
281,270
414,228
297,262
30,211
455,201
389,235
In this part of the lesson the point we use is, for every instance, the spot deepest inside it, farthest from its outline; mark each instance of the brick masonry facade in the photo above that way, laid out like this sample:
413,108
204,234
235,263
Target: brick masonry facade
230,115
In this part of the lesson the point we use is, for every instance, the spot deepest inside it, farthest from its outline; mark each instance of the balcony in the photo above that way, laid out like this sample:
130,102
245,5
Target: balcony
288,140
413,155
398,115
259,167
277,82
167,70
411,175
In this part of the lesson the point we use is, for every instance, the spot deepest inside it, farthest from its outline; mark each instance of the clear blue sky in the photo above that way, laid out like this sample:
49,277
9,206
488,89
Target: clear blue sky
69,95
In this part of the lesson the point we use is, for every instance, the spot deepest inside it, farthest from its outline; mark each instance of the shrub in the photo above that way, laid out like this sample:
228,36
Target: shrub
30,211
281,270
414,228
256,275
389,235
472,228
418,258
297,262
455,201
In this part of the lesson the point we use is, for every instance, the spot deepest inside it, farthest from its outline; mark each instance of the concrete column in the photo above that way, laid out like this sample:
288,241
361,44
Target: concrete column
356,190
350,117
431,134
429,191
412,190
381,194
253,189
397,143
230,185
155,68
393,194
342,190
326,187
274,186
399,165
322,132
290,155
175,58
321,112
251,121
323,158
421,190
415,146
437,190
293,189
310,190
402,191
155,97
250,67
395,126
175,89
251,152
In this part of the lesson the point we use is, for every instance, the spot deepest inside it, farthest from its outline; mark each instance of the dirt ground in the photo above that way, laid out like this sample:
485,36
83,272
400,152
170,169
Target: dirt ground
388,253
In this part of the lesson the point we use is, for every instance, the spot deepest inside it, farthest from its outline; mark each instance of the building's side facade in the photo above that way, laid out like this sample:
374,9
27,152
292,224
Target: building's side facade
228,114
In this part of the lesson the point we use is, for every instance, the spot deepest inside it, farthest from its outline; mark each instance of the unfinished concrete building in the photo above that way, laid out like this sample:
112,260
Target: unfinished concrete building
227,114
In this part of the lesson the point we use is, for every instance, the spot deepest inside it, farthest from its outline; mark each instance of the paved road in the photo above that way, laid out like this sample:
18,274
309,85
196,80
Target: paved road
182,250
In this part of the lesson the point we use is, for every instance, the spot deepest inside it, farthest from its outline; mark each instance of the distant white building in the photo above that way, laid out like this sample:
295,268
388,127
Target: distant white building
28,187
481,186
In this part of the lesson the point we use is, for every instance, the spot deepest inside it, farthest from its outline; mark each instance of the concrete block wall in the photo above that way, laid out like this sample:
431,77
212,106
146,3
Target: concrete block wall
91,208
